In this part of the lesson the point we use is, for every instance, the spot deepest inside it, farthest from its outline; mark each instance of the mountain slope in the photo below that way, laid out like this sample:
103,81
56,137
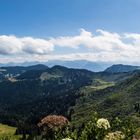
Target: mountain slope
121,68
118,100
37,93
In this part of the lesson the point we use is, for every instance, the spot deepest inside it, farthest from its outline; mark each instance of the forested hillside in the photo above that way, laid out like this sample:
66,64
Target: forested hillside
37,93
120,100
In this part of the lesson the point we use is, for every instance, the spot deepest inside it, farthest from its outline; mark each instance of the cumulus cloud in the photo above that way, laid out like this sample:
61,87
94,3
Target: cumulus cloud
26,45
99,46
10,45
36,46
104,41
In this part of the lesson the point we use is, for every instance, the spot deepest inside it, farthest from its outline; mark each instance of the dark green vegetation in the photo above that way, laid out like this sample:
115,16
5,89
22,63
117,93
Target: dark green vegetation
37,91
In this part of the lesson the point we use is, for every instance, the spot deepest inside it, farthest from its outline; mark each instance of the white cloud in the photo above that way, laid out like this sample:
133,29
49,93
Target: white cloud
104,41
101,46
36,46
26,45
73,42
10,45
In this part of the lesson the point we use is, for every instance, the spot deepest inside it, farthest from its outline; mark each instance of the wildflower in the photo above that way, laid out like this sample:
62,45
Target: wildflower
53,121
118,135
103,123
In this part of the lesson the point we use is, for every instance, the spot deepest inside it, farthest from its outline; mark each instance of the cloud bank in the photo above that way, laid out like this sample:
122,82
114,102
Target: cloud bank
26,45
99,46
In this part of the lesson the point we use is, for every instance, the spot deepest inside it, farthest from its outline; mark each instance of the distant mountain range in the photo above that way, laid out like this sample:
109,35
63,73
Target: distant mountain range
78,64
119,68
81,64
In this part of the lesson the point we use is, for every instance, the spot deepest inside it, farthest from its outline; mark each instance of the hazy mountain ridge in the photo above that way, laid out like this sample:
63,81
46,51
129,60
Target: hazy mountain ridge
121,68
78,64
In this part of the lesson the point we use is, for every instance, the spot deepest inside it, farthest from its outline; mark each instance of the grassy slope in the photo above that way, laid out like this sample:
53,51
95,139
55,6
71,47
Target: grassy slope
8,131
85,106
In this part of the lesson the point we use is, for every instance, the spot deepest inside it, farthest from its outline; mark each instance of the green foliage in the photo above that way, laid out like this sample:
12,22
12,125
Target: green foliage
127,126
95,130
122,130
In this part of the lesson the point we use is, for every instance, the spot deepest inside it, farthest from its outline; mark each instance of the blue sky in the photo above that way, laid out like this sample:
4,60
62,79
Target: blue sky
23,22
60,17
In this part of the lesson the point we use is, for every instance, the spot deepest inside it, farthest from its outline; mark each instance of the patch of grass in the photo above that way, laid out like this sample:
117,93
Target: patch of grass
8,132
97,84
